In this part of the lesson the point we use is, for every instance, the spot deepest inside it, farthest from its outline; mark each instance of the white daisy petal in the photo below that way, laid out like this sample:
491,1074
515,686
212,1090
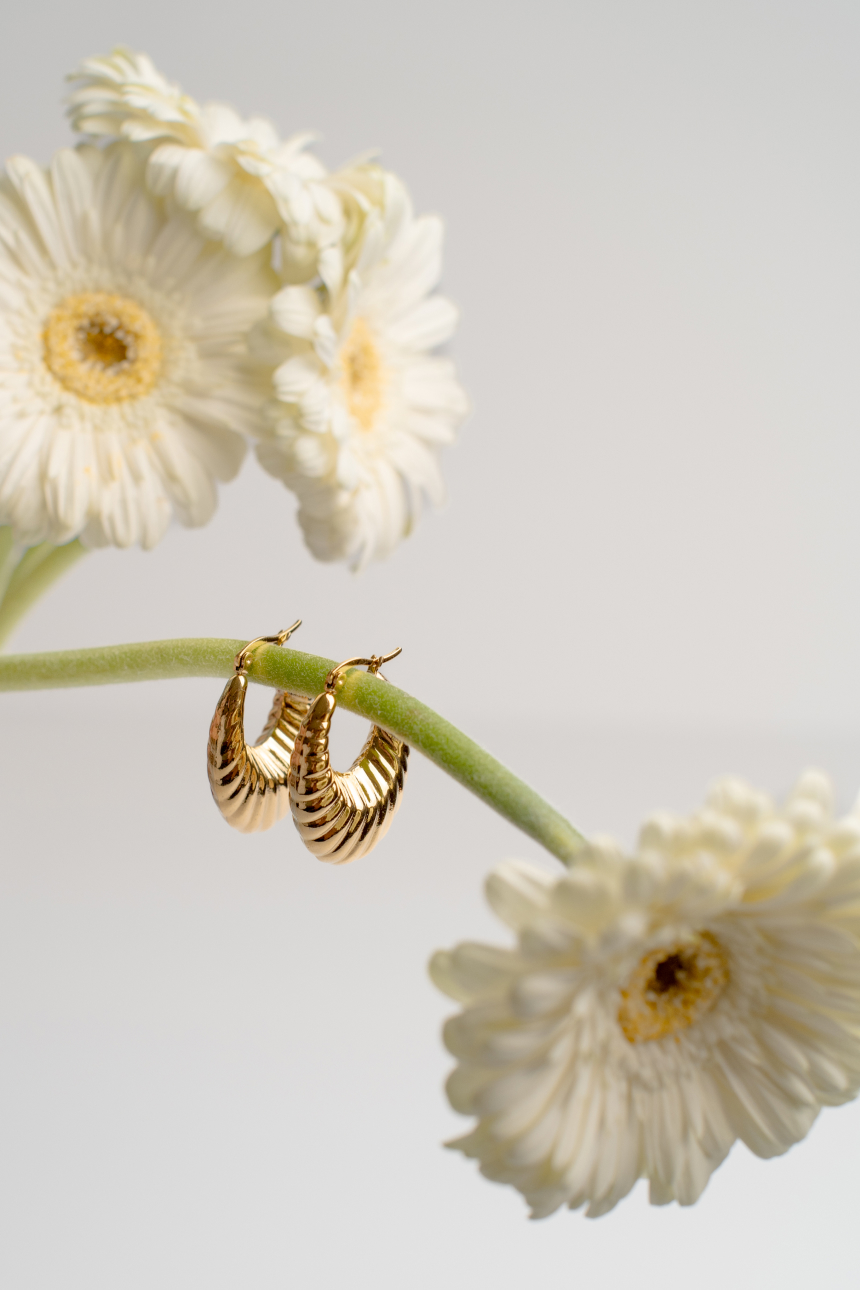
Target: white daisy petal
430,323
389,405
295,378
519,894
33,187
660,1006
242,215
198,176
122,369
295,311
417,268
243,182
123,95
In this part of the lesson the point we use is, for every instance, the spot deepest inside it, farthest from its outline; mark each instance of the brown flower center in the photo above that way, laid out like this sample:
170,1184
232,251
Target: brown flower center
673,988
103,348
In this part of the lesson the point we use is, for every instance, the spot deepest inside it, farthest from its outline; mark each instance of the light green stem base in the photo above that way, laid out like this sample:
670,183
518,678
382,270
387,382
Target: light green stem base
29,578
10,555
377,701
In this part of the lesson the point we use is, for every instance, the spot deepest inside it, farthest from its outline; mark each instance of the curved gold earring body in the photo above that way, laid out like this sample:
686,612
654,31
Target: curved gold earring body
341,815
250,782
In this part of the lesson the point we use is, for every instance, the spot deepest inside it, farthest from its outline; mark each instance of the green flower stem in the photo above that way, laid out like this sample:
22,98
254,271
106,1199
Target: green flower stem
35,572
10,554
377,701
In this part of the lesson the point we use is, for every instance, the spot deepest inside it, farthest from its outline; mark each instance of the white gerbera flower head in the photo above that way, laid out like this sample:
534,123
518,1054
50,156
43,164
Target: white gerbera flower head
660,1006
125,384
362,407
235,175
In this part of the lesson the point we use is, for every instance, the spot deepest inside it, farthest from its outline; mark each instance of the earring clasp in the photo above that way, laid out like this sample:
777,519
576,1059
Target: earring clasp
373,664
241,662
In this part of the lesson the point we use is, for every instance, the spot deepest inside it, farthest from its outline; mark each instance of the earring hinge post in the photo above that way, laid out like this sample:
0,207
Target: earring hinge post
373,664
280,639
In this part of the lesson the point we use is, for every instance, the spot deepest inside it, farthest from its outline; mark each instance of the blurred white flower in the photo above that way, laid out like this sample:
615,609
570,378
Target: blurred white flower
658,1007
362,408
363,189
242,182
124,375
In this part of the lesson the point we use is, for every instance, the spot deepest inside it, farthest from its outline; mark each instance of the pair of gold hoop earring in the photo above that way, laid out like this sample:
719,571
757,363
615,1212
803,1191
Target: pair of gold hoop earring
340,815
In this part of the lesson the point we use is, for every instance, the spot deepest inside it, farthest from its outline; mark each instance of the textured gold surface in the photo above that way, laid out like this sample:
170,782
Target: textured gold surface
250,783
341,815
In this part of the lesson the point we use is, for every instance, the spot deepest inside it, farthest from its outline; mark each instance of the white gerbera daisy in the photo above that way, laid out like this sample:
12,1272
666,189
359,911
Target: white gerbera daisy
362,407
660,1006
241,181
124,377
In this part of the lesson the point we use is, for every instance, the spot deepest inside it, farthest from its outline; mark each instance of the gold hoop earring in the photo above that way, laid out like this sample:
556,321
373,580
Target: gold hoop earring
250,783
341,815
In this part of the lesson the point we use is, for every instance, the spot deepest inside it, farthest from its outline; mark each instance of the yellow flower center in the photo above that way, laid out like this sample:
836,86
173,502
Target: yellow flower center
672,989
103,348
363,375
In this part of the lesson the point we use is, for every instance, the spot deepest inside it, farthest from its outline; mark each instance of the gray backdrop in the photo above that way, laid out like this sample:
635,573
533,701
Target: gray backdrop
220,1060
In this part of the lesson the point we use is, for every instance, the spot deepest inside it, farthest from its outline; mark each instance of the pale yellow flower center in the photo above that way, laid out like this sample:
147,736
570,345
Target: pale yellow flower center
363,375
673,988
103,348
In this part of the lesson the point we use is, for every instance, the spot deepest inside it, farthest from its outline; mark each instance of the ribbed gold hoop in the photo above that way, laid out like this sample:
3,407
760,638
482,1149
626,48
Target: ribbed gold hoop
341,815
250,783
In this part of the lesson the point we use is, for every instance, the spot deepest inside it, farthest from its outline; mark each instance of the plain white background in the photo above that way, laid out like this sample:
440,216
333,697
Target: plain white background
220,1061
